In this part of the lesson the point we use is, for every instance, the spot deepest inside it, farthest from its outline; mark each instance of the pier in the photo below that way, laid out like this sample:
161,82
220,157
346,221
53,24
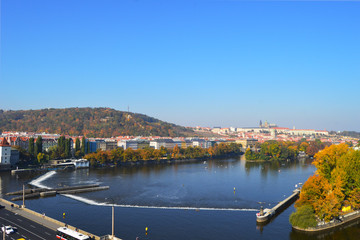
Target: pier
266,214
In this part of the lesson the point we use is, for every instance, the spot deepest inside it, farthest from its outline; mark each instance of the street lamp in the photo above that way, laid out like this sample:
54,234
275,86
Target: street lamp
23,205
112,218
3,231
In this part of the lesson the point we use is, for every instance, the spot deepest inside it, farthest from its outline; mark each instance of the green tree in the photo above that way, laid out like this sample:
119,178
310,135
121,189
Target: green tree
304,217
61,146
67,148
83,146
77,144
31,147
38,146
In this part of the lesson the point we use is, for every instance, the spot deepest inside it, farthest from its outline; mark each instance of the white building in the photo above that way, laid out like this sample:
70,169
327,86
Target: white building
199,143
158,143
125,144
5,153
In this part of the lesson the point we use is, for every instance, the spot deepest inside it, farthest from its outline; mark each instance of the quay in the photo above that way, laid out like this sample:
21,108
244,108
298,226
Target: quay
266,214
46,221
340,222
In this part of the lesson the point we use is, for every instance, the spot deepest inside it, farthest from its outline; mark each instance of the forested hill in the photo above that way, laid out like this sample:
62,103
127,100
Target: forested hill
91,122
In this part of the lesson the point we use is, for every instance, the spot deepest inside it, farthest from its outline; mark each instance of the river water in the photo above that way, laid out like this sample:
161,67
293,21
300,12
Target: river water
178,201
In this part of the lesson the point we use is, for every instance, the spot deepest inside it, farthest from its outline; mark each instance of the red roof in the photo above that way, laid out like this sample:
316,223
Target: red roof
4,142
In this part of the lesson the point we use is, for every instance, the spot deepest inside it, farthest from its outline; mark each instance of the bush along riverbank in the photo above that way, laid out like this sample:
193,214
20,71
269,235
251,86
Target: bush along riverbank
331,197
129,156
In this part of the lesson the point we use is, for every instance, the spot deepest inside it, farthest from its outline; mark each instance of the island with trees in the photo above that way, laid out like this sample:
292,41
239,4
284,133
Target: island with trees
331,196
281,150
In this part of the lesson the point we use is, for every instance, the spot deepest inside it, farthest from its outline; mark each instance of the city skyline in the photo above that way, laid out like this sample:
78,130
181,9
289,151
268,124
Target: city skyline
192,63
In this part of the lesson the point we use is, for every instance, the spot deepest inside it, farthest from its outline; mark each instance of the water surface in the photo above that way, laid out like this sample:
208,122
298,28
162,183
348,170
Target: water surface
179,201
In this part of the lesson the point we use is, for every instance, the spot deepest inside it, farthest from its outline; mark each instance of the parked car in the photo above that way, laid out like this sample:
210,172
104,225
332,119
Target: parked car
8,229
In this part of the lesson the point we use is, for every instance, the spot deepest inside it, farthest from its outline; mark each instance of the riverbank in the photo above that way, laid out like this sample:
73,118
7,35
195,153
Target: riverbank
333,224
41,219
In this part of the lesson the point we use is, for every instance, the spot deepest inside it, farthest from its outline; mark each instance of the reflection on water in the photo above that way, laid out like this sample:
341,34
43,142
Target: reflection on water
175,199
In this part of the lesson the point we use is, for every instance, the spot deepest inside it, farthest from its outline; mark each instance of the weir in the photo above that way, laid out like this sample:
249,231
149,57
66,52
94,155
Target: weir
42,192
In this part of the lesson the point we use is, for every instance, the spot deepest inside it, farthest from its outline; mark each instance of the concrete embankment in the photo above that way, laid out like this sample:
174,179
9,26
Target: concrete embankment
41,218
334,224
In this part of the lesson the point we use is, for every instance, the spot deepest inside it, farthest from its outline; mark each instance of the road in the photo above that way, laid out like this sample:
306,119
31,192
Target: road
26,228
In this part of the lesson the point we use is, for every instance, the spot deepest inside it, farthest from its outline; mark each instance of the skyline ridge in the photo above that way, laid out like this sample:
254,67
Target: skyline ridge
223,126
191,63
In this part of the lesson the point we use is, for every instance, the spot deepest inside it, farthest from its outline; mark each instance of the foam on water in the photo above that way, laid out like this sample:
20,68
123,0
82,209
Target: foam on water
92,202
37,182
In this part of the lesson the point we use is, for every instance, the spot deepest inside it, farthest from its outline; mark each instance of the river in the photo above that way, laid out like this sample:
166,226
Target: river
213,199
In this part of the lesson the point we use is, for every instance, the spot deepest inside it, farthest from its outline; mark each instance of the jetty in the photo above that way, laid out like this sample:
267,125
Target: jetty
266,214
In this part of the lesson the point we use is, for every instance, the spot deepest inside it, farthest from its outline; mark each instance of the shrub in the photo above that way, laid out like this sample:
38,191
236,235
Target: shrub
304,217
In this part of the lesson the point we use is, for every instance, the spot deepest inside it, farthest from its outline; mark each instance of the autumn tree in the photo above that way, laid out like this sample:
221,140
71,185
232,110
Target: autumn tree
325,160
176,151
41,158
335,184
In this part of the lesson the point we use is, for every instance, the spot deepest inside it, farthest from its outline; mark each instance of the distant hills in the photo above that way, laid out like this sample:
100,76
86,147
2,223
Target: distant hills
91,122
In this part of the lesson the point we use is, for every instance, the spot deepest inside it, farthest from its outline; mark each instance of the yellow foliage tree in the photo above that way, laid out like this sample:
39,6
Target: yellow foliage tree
325,160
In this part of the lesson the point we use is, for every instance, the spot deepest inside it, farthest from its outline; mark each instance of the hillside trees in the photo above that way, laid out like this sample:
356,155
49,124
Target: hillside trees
89,122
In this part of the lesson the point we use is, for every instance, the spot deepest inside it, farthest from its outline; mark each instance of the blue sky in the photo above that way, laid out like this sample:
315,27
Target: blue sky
199,62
